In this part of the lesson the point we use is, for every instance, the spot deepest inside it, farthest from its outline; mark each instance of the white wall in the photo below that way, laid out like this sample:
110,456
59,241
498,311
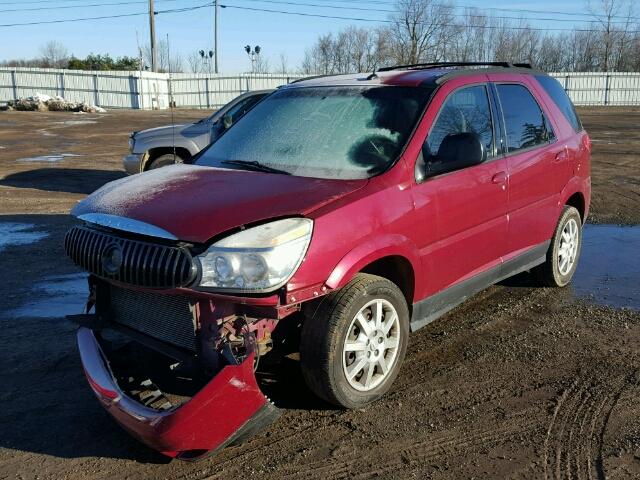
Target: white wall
146,90
133,89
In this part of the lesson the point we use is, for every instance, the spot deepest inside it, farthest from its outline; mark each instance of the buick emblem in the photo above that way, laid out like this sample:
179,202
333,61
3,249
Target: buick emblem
112,259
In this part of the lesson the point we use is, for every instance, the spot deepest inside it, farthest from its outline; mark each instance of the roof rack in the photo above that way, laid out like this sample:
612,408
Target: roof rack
420,66
312,77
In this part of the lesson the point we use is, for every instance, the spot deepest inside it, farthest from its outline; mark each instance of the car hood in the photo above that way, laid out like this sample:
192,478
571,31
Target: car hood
195,203
188,129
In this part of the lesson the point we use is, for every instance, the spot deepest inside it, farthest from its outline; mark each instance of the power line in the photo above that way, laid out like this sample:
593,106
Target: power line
359,2
498,9
488,27
465,15
58,7
102,17
316,15
376,2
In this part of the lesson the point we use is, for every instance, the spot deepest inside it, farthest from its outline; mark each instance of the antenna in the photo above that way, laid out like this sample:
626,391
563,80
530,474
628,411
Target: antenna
173,124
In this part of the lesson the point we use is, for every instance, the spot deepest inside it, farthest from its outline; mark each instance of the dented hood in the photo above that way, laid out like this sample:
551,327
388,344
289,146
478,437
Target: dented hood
196,203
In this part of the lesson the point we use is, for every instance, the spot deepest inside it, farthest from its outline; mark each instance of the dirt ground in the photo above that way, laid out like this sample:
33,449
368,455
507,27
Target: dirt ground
518,382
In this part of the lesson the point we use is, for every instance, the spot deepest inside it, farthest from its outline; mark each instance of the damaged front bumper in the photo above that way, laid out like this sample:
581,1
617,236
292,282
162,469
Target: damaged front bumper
228,409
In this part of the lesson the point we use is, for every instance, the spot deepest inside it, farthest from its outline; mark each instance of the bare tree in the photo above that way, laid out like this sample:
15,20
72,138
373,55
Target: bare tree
421,29
615,34
54,55
163,51
261,64
283,64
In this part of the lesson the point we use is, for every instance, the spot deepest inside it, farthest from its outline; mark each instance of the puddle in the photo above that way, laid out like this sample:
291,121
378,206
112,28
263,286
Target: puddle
46,133
56,157
19,234
609,268
77,122
55,297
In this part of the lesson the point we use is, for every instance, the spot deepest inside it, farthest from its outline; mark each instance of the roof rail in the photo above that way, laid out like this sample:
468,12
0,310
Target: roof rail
419,66
312,77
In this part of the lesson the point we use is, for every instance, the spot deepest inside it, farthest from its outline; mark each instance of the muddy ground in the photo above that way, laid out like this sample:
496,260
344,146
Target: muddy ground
518,382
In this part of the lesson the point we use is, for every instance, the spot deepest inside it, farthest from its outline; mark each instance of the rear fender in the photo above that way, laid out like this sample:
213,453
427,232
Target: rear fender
576,185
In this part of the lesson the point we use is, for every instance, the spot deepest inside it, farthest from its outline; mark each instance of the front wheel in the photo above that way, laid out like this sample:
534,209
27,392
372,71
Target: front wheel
352,346
564,250
165,160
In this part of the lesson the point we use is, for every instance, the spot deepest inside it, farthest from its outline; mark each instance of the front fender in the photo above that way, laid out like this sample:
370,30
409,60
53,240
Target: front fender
146,145
377,247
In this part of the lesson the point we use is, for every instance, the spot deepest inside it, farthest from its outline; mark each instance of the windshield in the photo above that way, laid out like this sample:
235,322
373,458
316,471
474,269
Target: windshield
323,132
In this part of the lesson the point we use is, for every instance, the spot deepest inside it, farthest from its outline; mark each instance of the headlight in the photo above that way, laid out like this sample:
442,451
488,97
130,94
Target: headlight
132,141
258,258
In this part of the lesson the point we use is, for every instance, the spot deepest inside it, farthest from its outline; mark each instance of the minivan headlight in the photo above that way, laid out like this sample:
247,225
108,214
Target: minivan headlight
258,258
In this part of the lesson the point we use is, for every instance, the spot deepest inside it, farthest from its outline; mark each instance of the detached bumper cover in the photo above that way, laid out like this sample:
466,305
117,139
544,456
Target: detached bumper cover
230,404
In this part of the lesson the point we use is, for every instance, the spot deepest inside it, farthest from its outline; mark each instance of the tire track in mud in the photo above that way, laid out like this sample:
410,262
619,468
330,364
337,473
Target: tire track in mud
575,435
437,445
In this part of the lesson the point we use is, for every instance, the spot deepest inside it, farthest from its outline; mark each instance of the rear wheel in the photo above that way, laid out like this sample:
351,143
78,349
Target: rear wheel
564,250
164,160
353,345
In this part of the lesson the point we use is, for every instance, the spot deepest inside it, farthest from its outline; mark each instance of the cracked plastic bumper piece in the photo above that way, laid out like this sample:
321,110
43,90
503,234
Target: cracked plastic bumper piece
229,408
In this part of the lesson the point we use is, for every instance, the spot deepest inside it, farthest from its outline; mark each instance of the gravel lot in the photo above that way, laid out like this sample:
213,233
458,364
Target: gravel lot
518,382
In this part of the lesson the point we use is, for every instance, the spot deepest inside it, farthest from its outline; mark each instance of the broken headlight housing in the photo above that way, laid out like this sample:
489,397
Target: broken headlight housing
258,258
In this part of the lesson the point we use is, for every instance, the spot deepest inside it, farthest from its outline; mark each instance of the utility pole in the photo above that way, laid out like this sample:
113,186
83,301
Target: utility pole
152,32
215,36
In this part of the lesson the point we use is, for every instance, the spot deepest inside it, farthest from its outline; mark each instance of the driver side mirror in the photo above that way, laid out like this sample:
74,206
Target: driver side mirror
456,151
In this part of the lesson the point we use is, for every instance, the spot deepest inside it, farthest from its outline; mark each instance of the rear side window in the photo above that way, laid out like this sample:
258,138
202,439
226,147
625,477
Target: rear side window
561,99
465,111
524,121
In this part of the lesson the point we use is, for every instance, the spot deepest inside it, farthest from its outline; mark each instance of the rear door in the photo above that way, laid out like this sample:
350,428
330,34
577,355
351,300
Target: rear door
537,165
462,214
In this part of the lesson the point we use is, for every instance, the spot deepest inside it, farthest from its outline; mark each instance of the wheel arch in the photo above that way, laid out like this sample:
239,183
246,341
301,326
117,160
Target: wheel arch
397,261
578,202
154,153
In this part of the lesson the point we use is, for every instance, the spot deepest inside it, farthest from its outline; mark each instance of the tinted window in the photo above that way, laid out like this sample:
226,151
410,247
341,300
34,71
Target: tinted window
524,121
325,132
237,111
465,111
561,99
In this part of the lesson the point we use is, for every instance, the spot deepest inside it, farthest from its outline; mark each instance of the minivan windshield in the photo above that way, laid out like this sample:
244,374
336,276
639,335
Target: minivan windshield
346,132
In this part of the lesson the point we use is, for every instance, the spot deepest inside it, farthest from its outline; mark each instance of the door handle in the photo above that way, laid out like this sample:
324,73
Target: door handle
561,155
499,177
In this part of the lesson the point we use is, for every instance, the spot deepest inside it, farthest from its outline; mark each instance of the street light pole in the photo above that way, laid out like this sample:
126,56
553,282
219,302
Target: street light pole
215,36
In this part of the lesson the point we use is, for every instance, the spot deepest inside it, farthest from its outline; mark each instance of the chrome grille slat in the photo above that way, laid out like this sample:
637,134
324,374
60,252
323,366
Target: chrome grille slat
144,263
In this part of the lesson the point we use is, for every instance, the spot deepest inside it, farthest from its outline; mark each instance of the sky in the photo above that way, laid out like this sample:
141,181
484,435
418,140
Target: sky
190,31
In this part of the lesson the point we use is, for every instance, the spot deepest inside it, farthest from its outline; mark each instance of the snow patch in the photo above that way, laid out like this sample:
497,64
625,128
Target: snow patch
45,103
56,157
120,196
57,296
19,234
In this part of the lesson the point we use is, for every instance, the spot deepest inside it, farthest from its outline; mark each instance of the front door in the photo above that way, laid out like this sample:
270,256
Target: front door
465,210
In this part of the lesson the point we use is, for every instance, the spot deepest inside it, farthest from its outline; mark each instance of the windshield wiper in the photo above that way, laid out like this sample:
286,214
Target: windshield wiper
255,166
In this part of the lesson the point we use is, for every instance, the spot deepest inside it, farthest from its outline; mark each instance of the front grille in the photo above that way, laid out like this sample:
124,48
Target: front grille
137,262
168,318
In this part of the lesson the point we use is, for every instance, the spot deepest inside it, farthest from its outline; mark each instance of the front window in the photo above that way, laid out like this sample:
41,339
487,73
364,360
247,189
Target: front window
323,132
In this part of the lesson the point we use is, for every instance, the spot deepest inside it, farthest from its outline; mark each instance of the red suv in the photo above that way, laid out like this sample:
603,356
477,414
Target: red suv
338,215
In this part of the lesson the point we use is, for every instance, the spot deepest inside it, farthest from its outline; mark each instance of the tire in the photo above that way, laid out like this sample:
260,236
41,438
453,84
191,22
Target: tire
554,272
346,315
165,160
